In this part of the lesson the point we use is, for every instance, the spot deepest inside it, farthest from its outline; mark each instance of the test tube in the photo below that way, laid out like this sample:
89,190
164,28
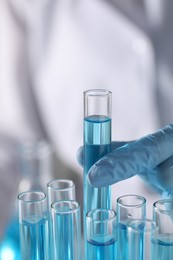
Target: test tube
129,207
60,189
66,223
32,206
97,143
163,215
141,236
57,190
101,235
36,165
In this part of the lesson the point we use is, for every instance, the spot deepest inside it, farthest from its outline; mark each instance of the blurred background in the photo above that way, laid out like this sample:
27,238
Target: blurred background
50,52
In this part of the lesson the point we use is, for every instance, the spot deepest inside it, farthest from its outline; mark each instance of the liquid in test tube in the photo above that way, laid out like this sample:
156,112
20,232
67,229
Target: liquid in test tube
34,234
33,221
101,235
97,143
163,215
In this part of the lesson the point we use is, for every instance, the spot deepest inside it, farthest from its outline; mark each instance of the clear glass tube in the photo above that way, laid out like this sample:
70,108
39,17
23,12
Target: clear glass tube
141,239
36,165
57,190
66,223
163,215
97,143
101,234
33,221
128,207
60,189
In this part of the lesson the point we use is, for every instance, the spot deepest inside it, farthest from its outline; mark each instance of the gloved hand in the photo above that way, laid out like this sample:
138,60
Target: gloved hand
151,157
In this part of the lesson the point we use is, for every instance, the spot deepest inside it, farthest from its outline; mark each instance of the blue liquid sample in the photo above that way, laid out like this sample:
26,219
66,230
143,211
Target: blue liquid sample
97,143
34,239
10,245
136,243
122,242
136,250
101,251
164,247
65,244
51,240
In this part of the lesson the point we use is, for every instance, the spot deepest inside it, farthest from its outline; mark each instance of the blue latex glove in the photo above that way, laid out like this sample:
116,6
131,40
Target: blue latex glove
151,157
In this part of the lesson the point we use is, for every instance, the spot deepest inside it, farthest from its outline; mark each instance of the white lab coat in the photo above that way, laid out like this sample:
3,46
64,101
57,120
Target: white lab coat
50,52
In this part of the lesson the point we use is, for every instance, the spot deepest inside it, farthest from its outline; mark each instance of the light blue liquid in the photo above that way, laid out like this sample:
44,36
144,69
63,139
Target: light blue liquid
97,143
65,245
136,244
164,245
101,251
34,239
10,245
122,242
51,239
134,252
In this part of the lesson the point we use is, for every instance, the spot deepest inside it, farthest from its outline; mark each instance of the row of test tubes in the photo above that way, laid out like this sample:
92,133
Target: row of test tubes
50,224
50,227
126,233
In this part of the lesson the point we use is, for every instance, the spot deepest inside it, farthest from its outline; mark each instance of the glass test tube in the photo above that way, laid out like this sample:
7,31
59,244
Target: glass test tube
57,190
97,143
36,165
141,235
32,206
101,234
60,189
163,215
66,223
129,207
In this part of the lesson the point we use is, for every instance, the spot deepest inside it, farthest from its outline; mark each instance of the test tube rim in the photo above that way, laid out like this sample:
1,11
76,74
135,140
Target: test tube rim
60,180
143,201
89,218
20,195
161,202
97,92
65,212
